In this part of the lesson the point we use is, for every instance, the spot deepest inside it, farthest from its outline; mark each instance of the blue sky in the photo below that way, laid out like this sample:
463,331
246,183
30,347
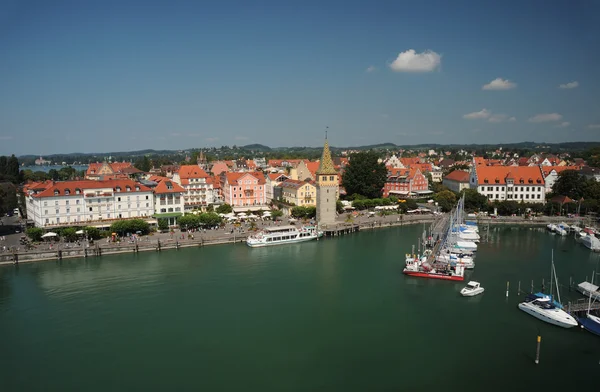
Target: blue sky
99,76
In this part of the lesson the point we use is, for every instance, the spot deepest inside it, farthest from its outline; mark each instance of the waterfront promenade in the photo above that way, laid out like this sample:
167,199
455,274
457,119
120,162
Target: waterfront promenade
228,234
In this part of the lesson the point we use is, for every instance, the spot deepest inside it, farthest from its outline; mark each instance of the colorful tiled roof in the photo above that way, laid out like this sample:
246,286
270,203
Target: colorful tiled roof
61,188
458,176
499,174
191,171
548,169
326,164
168,186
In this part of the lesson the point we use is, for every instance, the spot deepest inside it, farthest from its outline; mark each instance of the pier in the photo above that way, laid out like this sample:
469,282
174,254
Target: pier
581,306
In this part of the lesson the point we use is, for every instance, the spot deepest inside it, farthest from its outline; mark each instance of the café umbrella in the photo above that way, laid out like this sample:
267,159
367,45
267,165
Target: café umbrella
49,234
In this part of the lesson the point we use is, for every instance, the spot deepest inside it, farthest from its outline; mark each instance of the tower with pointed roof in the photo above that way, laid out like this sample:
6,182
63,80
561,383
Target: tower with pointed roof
327,182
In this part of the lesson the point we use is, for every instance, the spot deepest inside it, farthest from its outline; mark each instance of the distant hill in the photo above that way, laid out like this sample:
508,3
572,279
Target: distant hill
256,147
310,151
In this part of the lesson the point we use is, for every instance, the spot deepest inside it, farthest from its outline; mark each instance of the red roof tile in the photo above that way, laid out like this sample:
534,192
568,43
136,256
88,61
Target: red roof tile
458,175
520,174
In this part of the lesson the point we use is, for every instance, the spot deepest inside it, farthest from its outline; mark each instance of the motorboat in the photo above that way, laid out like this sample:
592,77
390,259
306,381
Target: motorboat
589,321
280,235
453,259
560,231
591,242
543,309
551,227
589,290
472,289
465,245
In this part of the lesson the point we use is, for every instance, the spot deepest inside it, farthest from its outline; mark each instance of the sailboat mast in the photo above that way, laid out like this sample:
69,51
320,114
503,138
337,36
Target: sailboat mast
590,300
556,282
551,268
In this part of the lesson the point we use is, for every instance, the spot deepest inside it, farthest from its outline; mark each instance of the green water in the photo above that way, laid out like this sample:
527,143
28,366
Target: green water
333,315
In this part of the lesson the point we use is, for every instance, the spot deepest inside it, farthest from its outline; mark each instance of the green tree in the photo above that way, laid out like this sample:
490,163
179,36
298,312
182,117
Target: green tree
276,214
68,234
509,207
224,209
130,226
8,197
163,224
143,164
339,207
53,174
364,175
474,201
210,219
570,183
92,232
446,200
35,233
189,221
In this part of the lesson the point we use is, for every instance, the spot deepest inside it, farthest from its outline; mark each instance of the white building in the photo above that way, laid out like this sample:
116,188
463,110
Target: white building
86,202
498,183
198,185
457,180
551,174
168,201
273,180
394,162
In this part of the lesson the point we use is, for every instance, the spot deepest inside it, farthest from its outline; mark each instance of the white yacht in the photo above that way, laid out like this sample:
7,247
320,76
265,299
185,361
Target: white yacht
591,242
279,235
473,288
543,309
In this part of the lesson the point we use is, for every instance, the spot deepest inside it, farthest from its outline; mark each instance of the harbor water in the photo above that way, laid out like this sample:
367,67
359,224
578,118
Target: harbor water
332,315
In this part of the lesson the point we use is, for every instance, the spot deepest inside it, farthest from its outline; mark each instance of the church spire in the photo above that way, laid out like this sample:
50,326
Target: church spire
326,164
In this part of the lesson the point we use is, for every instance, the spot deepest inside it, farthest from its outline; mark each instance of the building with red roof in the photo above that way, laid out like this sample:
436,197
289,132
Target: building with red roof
457,180
245,191
406,183
299,192
198,185
519,183
111,170
89,202
551,174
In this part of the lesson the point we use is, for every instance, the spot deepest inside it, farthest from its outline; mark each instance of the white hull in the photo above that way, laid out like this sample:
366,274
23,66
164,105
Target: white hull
591,242
471,293
258,244
554,316
468,245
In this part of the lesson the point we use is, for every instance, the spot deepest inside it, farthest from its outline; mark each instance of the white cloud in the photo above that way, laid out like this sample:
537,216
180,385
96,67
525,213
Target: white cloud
499,84
563,124
483,113
512,119
411,61
545,117
496,118
371,68
569,85
594,126
241,138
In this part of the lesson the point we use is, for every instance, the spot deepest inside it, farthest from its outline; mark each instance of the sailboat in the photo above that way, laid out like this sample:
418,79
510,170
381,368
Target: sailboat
590,322
545,310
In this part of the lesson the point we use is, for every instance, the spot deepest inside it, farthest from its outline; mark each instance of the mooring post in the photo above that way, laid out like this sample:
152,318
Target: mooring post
537,351
570,282
507,285
543,286
519,288
531,286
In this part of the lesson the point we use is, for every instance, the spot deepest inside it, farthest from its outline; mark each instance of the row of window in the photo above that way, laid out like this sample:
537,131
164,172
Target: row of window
510,196
515,189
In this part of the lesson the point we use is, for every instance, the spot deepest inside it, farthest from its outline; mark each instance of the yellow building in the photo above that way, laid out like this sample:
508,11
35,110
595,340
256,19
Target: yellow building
300,193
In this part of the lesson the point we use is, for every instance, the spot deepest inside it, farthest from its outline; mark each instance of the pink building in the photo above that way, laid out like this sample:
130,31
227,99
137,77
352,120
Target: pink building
245,189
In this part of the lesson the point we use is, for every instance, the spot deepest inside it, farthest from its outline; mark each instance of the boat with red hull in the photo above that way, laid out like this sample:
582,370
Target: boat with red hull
432,275
418,266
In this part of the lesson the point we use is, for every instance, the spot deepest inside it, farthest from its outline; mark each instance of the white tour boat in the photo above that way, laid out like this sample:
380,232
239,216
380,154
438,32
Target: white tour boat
279,235
473,288
589,290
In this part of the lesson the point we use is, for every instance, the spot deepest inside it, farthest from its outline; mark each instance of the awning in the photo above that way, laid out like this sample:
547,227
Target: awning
424,192
167,215
399,192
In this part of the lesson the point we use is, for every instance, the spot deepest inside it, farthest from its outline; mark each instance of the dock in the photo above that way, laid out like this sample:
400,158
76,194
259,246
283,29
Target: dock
581,306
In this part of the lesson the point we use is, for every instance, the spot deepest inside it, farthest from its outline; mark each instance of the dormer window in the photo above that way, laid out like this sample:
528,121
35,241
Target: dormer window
137,188
530,181
497,181
56,192
128,189
77,191
521,181
485,180
67,192
118,189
